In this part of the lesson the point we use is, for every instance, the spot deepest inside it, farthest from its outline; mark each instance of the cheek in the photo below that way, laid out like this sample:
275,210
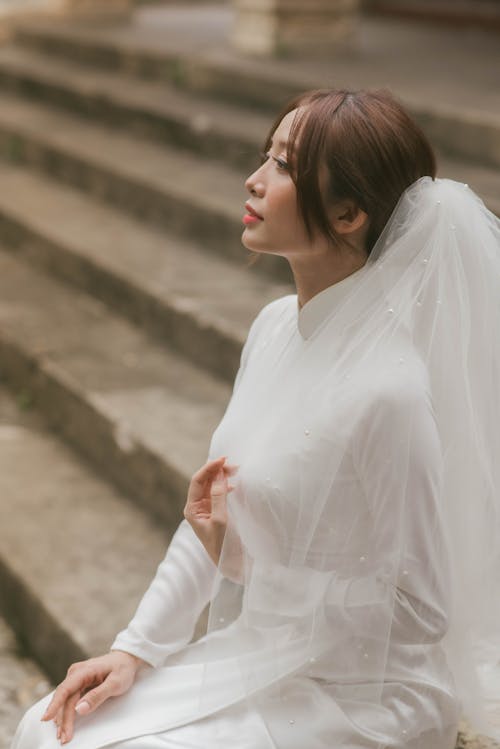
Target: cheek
282,204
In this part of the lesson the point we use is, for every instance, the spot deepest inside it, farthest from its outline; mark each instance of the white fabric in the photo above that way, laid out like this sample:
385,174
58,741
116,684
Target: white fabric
366,510
237,727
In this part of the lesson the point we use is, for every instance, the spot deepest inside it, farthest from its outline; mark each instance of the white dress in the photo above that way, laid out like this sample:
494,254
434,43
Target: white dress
162,710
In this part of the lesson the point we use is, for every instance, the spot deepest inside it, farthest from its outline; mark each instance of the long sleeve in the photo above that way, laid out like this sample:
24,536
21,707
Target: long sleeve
167,614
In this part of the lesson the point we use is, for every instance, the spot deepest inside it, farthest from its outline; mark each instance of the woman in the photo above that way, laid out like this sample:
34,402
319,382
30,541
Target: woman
341,562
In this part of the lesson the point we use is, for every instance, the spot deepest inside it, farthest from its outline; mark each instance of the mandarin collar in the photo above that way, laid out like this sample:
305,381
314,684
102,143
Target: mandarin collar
324,303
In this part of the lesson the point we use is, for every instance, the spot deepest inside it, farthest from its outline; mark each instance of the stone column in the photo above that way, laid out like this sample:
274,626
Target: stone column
293,27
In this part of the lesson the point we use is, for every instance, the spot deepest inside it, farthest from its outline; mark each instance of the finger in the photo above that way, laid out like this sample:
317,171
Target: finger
66,688
95,697
58,722
68,718
230,470
209,469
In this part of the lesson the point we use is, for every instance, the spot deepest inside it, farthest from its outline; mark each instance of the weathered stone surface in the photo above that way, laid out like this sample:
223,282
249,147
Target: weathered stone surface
66,605
287,27
467,739
458,103
94,8
21,684
177,291
140,412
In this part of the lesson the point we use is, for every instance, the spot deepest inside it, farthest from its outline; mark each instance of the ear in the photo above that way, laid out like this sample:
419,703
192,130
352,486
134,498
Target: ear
347,217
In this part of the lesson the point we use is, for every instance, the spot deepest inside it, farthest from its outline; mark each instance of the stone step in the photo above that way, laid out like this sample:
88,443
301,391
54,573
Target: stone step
142,414
161,61
21,684
200,199
197,58
68,605
182,295
155,109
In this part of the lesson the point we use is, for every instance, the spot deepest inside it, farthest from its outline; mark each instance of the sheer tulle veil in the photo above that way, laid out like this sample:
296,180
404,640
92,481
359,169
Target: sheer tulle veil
429,293
440,261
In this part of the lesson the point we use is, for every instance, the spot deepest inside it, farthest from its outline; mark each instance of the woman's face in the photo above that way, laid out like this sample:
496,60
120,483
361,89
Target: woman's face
277,227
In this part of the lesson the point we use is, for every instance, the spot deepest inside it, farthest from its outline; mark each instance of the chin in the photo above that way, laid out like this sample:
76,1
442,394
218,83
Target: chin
259,247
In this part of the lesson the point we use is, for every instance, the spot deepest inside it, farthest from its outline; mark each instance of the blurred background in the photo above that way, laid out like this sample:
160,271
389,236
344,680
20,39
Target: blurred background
127,129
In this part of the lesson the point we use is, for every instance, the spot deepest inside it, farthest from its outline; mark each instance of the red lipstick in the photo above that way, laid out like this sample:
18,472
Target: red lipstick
251,216
248,220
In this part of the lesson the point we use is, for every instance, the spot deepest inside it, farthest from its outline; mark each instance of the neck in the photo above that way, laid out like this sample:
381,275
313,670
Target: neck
312,275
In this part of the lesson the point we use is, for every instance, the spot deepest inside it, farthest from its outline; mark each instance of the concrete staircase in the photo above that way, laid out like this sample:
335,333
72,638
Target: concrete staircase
124,302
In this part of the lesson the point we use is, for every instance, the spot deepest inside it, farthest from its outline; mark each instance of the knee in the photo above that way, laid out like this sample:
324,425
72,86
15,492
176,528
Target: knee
32,733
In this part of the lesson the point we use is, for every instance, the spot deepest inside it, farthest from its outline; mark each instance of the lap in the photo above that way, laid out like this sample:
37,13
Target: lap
237,726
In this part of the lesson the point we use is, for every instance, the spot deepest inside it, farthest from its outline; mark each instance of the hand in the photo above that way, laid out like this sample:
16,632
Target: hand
206,505
87,685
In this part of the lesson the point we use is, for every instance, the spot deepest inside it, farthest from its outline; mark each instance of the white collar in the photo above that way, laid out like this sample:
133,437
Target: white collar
324,303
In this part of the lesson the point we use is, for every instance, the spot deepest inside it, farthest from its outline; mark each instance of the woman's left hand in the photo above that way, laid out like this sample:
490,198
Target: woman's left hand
206,505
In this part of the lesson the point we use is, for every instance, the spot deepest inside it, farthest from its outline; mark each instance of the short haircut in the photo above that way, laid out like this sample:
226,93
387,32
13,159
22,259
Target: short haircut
370,146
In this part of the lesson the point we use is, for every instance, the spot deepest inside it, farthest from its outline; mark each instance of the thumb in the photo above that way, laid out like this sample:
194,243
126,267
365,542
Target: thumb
95,697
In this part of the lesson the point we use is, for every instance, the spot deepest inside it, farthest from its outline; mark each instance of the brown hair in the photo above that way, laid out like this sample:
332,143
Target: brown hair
372,150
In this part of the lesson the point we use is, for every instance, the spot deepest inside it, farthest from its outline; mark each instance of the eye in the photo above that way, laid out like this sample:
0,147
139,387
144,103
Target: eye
281,164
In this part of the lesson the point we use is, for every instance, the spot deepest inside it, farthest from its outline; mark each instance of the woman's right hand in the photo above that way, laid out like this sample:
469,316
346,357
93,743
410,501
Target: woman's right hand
87,685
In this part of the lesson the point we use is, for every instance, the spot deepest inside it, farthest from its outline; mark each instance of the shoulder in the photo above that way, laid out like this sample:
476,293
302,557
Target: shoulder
275,309
267,319
271,314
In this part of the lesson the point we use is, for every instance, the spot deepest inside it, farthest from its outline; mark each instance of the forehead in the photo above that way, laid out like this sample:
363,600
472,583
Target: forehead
282,132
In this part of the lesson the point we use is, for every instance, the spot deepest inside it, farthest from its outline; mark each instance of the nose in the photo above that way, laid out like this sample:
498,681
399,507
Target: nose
254,183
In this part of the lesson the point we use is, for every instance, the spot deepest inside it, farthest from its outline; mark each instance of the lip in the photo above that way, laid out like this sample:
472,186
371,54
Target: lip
252,212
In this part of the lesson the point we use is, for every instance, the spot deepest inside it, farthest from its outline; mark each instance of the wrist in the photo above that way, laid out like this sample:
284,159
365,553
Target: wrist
134,659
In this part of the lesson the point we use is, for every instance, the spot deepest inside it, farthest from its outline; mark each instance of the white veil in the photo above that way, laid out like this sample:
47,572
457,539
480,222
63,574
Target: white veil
306,587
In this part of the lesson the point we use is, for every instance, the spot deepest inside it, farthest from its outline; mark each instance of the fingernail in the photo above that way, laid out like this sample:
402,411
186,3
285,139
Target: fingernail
82,708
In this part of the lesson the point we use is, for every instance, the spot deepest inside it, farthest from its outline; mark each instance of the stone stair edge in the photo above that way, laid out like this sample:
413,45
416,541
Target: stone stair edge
118,449
206,339
153,109
460,132
71,414
21,608
52,602
132,174
219,232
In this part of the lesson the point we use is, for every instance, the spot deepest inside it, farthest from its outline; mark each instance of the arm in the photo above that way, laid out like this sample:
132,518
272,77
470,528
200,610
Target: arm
163,623
167,614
